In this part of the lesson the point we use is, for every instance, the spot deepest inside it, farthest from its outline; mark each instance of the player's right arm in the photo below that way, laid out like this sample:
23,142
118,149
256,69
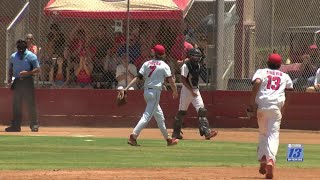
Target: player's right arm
139,76
132,82
256,81
184,80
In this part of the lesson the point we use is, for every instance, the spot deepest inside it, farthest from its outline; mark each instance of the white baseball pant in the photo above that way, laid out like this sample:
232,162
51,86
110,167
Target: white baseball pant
152,98
269,125
186,98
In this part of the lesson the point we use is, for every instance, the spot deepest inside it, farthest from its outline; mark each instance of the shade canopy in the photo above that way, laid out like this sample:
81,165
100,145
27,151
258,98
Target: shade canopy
117,9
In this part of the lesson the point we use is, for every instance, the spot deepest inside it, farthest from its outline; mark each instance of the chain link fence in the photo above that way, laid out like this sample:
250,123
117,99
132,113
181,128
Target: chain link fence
86,45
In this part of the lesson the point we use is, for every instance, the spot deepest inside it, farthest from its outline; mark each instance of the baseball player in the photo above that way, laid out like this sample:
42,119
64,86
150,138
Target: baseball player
267,98
190,73
154,72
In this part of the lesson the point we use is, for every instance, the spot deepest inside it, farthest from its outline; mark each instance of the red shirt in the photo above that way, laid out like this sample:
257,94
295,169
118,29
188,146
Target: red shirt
32,48
83,77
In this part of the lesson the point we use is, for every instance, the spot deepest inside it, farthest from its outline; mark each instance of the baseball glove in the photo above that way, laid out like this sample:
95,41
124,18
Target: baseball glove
121,98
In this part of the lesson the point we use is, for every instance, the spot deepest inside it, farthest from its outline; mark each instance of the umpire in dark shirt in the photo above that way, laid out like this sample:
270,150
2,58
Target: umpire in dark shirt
22,66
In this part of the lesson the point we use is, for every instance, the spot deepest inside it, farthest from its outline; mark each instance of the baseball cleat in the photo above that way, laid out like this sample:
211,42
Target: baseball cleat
211,135
132,141
172,141
177,135
269,169
13,129
263,165
34,128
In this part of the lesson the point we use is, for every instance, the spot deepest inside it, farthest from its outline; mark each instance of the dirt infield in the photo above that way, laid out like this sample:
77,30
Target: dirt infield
234,135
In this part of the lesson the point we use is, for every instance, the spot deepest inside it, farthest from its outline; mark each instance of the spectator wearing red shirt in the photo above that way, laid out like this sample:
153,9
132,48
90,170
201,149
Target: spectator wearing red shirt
145,55
179,53
77,45
30,44
83,72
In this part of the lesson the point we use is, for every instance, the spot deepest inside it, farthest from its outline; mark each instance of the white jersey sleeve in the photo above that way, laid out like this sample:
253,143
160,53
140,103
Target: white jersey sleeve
257,75
143,69
289,84
167,71
317,79
184,71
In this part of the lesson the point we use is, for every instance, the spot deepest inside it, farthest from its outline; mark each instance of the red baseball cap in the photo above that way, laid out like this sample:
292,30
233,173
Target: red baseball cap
159,50
187,46
275,59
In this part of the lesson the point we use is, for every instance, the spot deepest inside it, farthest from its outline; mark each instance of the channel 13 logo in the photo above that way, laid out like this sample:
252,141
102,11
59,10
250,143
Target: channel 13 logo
295,152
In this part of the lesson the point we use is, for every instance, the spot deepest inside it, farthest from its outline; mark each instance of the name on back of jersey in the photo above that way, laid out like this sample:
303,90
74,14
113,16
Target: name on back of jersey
154,63
275,73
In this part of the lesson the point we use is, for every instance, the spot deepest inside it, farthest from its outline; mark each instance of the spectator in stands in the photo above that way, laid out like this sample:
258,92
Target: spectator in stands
166,35
58,39
146,36
76,48
134,48
178,53
186,47
46,55
119,40
110,66
102,45
59,73
121,71
77,45
144,56
308,68
189,32
83,72
31,46
316,86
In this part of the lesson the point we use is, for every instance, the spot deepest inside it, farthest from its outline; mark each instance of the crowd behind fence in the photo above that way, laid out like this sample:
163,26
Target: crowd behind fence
91,53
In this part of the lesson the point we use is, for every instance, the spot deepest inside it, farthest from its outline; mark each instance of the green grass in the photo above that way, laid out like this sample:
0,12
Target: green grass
42,152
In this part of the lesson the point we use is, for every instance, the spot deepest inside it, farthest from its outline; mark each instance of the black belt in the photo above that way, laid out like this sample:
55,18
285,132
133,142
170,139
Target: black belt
150,88
23,78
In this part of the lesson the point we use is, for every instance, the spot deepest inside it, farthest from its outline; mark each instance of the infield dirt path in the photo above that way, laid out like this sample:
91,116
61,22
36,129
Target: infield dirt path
234,135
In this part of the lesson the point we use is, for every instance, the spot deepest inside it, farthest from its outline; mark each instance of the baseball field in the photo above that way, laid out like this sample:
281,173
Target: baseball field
103,153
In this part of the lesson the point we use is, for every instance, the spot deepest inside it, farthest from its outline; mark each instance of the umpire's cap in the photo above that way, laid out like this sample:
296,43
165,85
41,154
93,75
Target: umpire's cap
275,59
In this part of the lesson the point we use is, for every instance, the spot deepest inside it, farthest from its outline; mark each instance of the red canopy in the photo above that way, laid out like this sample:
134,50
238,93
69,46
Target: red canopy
117,9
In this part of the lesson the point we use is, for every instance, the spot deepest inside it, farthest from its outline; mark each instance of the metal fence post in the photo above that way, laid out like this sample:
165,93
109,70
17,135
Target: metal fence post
218,40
